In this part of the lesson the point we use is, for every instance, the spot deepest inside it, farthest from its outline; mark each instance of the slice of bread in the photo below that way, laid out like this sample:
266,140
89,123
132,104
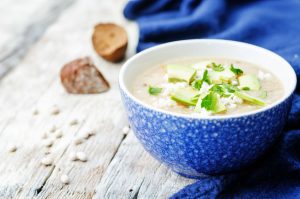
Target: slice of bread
110,41
82,77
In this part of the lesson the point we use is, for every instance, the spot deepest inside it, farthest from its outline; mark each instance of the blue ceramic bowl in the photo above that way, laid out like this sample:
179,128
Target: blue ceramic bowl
191,145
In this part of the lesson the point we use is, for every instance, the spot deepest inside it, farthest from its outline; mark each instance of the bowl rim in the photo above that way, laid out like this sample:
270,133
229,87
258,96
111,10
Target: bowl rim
211,117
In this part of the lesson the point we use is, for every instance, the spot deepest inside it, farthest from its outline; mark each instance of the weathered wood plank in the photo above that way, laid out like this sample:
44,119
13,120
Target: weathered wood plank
133,173
21,24
35,84
116,163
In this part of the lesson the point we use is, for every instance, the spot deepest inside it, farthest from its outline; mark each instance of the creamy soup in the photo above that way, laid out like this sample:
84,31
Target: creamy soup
207,86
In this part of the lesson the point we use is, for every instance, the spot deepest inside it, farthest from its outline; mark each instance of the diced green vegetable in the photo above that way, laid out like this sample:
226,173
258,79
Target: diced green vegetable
217,67
179,73
186,96
154,90
236,71
249,98
221,77
263,94
211,102
250,81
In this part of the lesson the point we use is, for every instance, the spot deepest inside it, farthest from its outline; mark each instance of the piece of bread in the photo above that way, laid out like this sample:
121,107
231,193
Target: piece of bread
82,77
110,41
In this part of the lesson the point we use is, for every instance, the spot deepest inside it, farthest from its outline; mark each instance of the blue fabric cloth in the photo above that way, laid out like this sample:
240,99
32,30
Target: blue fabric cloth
274,25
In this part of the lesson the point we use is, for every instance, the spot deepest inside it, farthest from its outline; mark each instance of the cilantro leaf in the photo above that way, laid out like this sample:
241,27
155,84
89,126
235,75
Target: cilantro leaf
217,89
154,90
218,67
236,71
205,77
230,88
197,84
209,101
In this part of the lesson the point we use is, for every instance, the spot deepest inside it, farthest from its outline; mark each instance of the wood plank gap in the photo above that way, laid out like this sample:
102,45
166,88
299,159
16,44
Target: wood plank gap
39,190
138,190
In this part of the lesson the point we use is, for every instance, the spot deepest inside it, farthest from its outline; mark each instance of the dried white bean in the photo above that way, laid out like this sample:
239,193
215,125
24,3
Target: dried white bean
126,129
44,135
55,110
48,142
35,112
81,156
88,134
58,134
73,122
12,148
53,129
64,179
47,161
73,156
78,141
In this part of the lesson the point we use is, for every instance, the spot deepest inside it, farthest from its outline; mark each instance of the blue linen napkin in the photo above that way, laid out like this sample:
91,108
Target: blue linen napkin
272,24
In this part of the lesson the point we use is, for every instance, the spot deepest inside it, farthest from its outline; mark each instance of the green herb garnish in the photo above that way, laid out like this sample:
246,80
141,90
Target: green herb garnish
217,89
154,90
197,84
230,88
217,67
205,77
209,101
236,71
246,88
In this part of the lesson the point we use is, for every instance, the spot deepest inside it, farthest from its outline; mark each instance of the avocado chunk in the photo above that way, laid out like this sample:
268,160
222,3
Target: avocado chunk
249,98
179,73
219,77
249,81
186,96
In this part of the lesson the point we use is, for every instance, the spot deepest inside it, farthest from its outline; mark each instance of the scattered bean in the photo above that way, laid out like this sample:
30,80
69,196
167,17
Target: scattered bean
89,134
64,179
73,122
35,112
126,129
12,148
73,156
55,110
48,142
44,135
81,156
47,161
78,141
58,134
53,129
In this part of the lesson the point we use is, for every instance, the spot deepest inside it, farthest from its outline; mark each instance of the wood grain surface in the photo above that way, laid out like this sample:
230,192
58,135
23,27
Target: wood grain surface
36,38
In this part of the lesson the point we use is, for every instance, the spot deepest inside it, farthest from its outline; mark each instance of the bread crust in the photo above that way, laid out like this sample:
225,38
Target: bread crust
81,76
110,41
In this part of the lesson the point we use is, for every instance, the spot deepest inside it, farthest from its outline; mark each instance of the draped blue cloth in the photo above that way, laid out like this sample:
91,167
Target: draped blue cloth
272,24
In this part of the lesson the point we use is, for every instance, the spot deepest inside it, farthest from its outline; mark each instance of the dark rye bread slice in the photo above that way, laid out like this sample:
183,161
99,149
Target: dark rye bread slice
110,41
82,77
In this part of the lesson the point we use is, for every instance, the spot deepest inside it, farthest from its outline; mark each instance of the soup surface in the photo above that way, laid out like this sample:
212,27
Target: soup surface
211,86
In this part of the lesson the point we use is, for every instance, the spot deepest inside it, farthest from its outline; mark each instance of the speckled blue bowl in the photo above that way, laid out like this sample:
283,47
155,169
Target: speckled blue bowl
196,146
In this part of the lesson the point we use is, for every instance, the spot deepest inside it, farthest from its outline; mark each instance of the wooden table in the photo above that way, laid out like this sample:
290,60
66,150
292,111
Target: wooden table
36,38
